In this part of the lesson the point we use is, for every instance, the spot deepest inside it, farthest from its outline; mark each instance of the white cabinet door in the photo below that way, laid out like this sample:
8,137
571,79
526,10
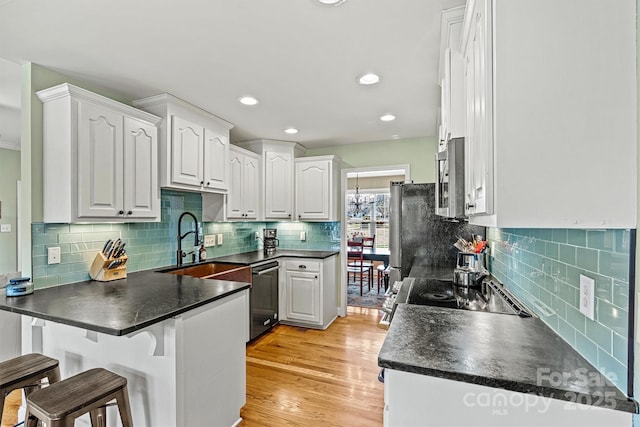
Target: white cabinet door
236,187
216,148
100,168
478,86
313,188
141,195
302,296
251,180
278,185
187,160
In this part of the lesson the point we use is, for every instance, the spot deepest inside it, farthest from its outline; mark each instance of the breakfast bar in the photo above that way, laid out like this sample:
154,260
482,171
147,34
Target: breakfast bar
179,341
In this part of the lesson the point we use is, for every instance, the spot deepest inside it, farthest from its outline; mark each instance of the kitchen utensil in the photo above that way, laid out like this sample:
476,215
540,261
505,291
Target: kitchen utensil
106,247
467,277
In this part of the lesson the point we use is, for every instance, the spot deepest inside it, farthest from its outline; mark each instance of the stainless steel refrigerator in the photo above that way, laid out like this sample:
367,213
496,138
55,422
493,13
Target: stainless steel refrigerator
417,236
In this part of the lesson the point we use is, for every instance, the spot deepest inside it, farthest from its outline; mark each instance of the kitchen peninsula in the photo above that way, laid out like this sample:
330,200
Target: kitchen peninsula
179,341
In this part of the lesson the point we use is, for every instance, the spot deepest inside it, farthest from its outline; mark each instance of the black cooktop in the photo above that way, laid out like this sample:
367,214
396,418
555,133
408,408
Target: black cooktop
489,296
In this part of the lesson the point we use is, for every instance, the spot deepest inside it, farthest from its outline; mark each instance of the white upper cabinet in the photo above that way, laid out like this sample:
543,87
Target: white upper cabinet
551,112
316,188
99,158
194,145
242,200
452,110
277,197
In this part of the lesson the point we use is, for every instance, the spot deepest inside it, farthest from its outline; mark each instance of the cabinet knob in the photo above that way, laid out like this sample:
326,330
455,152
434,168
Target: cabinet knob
129,212
470,205
299,216
201,182
316,277
289,215
208,182
121,212
302,266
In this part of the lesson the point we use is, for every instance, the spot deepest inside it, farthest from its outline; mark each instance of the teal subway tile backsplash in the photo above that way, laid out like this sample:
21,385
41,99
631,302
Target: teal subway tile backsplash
542,267
152,245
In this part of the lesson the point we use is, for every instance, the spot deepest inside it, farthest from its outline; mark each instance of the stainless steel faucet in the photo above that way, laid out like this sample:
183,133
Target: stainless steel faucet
179,253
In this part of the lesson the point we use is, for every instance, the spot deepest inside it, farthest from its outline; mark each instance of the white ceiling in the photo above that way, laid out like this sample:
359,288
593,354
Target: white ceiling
298,57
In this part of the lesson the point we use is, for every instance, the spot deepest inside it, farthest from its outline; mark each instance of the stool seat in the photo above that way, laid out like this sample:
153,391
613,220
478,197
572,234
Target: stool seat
88,391
26,372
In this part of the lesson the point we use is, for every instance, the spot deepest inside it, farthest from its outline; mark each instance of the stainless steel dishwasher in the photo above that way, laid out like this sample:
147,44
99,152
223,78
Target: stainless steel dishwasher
263,298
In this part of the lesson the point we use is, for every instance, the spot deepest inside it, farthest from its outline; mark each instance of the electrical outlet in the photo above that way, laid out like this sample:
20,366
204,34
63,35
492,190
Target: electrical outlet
5,228
303,236
209,240
53,255
587,296
257,234
219,239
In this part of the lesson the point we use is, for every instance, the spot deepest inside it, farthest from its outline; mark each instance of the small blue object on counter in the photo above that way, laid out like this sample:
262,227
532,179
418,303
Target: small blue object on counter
19,286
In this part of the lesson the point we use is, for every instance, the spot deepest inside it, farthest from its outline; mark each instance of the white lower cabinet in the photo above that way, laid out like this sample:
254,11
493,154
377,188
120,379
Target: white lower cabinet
308,292
414,400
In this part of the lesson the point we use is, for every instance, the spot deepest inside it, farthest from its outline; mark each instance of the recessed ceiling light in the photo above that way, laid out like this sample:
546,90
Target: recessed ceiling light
291,131
331,2
248,100
387,117
368,79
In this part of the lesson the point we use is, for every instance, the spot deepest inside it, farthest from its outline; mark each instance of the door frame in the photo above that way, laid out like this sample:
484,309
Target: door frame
342,296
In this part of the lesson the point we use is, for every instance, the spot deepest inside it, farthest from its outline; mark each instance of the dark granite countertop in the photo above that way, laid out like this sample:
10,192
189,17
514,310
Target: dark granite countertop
493,350
121,306
248,258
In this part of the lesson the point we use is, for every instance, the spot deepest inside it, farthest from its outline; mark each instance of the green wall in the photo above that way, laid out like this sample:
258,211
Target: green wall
10,167
417,152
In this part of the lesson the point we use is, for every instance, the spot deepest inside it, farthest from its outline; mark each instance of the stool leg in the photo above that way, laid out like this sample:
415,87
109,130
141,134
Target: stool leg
53,376
124,408
30,420
99,417
2,395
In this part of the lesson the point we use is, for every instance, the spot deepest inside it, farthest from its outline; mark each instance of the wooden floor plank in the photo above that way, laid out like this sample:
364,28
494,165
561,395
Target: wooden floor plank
306,377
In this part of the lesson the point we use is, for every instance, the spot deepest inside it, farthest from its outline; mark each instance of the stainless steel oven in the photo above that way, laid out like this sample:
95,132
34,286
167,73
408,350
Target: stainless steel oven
263,298
450,180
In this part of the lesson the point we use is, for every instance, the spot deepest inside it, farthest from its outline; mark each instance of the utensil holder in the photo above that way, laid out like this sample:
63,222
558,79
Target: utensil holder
99,268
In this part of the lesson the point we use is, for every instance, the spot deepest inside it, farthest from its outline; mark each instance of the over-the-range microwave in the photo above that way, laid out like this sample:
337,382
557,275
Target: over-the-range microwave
450,180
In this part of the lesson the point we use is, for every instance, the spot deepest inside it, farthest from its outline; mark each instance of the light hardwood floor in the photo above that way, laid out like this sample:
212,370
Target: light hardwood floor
306,377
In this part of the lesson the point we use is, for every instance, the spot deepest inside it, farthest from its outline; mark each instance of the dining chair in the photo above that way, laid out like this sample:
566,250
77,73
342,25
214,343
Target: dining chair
356,264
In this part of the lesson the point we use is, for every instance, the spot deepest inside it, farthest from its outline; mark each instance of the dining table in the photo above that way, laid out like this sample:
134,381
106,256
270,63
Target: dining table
376,254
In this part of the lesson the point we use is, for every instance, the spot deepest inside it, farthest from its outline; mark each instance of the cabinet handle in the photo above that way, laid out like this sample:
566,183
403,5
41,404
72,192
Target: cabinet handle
470,205
302,266
130,213
121,212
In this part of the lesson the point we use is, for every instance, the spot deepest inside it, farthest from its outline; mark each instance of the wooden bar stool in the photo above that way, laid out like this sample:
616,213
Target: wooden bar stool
26,372
61,403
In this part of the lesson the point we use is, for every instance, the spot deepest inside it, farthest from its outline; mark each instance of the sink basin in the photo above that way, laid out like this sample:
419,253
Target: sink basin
218,271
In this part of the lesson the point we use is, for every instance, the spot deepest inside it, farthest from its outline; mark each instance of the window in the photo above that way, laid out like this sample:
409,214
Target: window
368,214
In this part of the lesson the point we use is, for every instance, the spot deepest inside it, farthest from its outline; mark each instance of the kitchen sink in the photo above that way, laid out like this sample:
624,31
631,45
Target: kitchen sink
214,270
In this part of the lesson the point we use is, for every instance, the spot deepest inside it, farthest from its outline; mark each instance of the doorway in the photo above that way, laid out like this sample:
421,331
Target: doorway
365,202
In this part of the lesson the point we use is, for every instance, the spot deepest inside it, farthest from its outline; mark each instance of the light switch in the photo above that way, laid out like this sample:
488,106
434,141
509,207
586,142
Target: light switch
219,239
587,296
53,255
303,235
5,228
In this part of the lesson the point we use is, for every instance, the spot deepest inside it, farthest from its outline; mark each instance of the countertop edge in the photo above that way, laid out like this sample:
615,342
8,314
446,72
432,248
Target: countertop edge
625,405
125,331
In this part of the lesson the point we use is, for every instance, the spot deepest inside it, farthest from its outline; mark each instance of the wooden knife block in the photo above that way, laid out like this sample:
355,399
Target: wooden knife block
98,270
